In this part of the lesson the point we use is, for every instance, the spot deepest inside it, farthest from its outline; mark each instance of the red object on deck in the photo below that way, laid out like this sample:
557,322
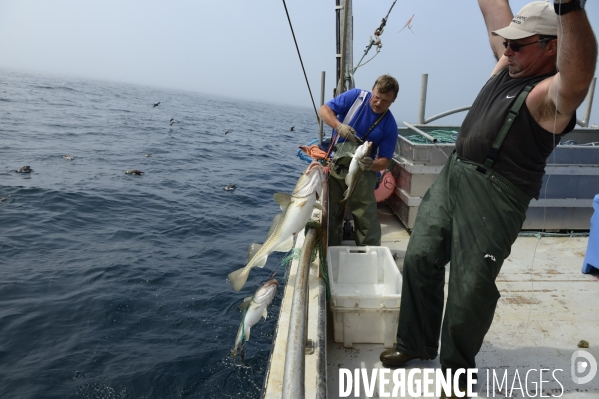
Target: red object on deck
385,188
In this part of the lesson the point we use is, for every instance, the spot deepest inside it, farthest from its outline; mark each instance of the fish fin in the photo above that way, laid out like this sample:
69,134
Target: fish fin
307,189
246,330
275,222
261,262
282,199
286,246
264,314
318,206
245,304
238,278
253,250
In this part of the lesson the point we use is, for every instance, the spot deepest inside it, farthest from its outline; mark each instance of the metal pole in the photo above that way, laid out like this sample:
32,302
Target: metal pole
423,87
450,112
341,83
589,101
320,131
295,358
420,132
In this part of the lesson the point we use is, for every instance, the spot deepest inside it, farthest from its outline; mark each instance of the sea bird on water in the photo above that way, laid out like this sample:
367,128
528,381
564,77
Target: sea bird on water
134,172
230,187
24,169
227,132
68,157
292,129
172,122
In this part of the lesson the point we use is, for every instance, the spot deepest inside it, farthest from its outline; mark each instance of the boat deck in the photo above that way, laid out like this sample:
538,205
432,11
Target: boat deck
547,307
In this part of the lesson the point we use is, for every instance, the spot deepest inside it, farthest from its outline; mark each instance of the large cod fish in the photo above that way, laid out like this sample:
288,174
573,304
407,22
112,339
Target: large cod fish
254,307
354,173
297,209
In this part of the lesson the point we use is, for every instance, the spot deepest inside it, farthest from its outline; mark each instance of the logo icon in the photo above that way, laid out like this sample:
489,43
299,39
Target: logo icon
583,371
508,96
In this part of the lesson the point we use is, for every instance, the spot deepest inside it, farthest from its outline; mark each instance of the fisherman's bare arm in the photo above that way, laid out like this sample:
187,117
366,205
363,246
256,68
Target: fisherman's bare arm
576,62
380,164
497,14
328,116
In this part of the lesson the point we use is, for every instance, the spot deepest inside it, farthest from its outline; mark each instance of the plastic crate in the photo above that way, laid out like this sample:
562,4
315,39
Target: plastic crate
591,260
365,295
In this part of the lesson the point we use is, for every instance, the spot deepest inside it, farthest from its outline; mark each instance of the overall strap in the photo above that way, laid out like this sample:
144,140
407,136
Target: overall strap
509,120
374,125
355,106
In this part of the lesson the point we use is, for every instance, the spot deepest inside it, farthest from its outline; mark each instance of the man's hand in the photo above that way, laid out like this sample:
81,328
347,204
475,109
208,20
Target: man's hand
366,163
347,132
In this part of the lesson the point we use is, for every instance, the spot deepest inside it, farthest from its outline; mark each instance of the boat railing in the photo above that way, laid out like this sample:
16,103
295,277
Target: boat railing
298,345
424,87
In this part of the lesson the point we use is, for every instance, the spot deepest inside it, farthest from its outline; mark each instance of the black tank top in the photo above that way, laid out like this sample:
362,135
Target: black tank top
524,152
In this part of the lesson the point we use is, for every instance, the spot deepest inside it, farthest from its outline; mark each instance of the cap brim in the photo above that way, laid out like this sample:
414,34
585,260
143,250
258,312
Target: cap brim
512,33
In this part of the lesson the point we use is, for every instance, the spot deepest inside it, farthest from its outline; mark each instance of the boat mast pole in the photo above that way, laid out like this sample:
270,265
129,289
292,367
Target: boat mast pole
345,39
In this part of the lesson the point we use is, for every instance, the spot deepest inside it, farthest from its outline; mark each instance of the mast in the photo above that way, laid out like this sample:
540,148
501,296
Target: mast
344,45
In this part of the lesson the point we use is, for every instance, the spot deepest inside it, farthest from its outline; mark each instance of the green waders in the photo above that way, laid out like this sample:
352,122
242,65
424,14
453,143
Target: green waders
362,202
469,217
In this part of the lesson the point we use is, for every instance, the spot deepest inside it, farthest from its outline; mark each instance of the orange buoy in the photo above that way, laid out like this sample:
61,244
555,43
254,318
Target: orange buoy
385,188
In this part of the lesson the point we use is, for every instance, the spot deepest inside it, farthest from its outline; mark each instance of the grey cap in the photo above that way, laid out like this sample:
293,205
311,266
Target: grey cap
536,18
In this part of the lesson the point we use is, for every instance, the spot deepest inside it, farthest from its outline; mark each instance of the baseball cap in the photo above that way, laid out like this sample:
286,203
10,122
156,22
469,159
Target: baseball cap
536,18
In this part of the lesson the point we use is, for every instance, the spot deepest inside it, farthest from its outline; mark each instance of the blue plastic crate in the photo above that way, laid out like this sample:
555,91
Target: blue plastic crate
591,260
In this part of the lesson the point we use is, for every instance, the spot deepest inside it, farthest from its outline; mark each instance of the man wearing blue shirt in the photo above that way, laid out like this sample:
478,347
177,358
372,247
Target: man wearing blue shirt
358,116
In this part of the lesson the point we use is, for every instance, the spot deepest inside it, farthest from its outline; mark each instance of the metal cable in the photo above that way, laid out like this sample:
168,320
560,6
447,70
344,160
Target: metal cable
301,62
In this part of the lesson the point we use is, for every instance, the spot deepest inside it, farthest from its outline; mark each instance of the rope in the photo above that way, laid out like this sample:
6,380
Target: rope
540,234
442,136
295,254
302,62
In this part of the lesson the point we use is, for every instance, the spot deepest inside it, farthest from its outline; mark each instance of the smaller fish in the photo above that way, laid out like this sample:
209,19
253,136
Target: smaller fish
253,308
68,157
134,172
354,173
24,169
230,187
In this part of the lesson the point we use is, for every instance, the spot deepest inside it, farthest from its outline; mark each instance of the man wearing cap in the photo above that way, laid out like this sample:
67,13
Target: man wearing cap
475,209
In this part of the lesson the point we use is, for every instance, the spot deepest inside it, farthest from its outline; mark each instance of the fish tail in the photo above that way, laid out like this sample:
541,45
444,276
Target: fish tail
234,353
239,277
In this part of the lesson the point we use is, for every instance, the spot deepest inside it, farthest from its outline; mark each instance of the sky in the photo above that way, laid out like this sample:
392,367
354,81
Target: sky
244,49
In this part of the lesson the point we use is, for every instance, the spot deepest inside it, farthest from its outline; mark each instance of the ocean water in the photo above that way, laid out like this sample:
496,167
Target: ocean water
115,285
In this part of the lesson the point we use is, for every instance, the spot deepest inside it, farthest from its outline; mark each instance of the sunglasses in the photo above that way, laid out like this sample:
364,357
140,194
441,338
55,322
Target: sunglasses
517,46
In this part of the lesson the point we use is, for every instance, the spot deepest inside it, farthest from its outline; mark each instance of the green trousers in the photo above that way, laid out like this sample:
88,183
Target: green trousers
470,219
362,205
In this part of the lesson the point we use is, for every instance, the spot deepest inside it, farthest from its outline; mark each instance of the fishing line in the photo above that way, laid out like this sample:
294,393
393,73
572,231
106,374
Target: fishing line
302,63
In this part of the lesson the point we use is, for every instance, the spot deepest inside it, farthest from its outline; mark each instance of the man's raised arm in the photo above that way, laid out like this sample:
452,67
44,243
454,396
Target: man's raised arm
497,14
576,61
